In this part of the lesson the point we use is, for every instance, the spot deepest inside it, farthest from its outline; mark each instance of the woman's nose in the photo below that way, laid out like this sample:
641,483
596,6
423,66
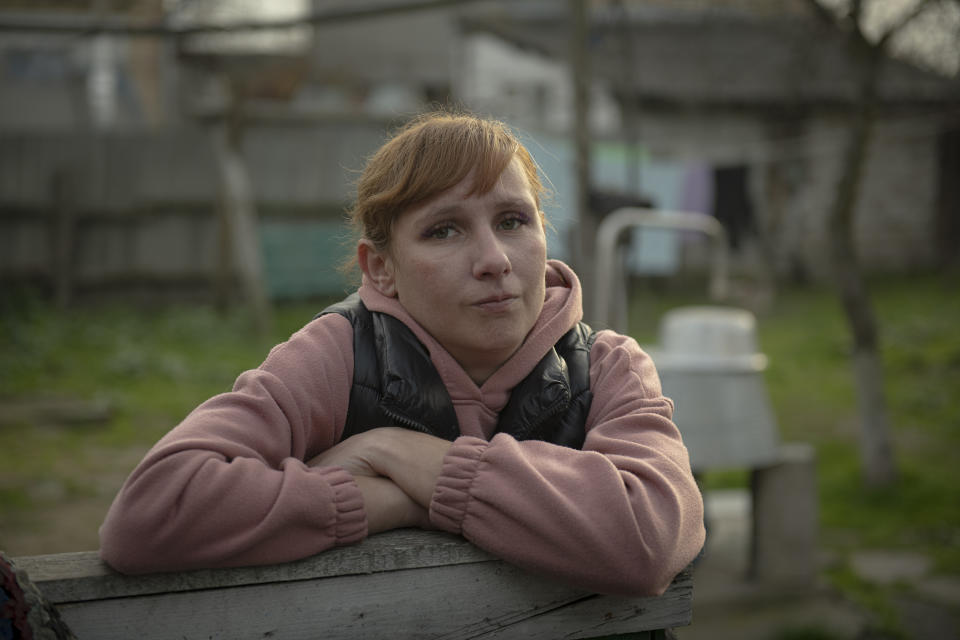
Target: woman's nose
490,256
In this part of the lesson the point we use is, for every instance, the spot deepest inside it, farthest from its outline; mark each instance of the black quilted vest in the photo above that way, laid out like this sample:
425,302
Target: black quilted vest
395,383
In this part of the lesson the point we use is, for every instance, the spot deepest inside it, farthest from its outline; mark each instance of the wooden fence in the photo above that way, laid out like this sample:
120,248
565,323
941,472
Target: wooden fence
82,212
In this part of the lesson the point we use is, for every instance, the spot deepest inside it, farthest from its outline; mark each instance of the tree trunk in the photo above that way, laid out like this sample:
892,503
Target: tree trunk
875,450
240,217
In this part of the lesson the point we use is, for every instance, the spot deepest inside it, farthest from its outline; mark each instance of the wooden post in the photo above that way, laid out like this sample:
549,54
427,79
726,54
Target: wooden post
784,541
63,237
223,280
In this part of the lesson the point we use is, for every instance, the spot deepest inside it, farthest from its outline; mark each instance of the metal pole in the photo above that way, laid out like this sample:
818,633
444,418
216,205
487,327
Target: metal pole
638,217
582,241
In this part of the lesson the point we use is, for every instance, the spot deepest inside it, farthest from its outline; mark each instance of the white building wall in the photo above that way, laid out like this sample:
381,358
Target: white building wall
527,89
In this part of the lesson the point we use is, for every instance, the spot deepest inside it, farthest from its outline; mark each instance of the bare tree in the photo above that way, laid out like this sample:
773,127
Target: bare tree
868,47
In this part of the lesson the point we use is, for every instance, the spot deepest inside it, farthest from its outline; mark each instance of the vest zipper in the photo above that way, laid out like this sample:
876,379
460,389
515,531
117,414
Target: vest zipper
407,422
544,418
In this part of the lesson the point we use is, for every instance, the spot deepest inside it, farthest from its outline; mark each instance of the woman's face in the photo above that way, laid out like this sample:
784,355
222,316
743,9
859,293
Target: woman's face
469,269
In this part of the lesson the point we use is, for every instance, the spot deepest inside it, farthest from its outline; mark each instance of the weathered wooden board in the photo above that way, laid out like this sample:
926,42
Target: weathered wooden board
484,600
71,577
409,584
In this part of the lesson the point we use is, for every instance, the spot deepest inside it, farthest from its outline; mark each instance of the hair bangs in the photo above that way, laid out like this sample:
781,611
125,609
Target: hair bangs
429,155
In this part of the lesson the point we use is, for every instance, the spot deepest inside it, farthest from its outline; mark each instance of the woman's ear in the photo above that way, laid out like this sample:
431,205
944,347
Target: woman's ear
378,267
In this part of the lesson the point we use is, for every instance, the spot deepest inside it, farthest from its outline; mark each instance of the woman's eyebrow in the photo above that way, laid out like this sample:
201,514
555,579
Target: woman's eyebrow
515,203
441,211
447,209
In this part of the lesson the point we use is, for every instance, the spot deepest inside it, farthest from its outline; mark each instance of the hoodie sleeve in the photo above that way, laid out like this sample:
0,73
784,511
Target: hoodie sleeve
623,515
228,486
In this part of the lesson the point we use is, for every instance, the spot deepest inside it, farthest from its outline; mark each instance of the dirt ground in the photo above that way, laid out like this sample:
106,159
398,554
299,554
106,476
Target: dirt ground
68,526
61,518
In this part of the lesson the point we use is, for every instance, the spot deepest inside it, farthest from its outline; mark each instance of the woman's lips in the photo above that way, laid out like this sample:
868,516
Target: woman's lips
495,304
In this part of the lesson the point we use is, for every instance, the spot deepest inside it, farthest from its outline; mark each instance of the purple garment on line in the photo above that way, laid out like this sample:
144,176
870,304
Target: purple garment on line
697,188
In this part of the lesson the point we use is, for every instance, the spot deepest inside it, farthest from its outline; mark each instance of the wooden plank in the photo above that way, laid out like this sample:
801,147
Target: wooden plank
599,615
488,599
405,583
72,577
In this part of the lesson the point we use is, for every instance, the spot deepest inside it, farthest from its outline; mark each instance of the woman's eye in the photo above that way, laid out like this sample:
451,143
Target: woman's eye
512,224
440,233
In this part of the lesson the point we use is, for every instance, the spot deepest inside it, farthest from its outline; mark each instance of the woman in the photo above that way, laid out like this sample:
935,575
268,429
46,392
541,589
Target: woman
457,390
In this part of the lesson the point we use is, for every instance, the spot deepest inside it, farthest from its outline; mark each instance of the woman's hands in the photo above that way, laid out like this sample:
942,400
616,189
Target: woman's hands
388,507
396,470
355,454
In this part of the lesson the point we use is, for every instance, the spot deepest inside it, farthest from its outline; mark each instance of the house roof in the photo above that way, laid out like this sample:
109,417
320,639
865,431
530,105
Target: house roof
713,52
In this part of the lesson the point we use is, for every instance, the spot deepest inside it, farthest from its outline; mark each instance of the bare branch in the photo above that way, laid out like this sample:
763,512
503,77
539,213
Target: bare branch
855,17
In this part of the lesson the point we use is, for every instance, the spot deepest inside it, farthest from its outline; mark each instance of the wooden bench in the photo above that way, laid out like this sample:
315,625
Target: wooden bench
400,584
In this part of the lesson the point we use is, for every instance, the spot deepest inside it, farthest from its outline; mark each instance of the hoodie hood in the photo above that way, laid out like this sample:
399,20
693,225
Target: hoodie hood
562,309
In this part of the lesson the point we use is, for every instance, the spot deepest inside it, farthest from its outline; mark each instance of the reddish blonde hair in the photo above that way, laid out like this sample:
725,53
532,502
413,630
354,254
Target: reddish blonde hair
430,154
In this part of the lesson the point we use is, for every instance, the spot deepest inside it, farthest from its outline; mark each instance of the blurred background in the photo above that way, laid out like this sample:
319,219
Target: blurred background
173,180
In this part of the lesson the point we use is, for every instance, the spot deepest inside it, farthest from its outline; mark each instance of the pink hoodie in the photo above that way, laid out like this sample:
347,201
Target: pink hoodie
228,486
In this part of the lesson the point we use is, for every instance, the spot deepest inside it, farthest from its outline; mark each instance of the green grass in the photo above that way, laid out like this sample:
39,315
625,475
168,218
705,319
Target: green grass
151,366
154,365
